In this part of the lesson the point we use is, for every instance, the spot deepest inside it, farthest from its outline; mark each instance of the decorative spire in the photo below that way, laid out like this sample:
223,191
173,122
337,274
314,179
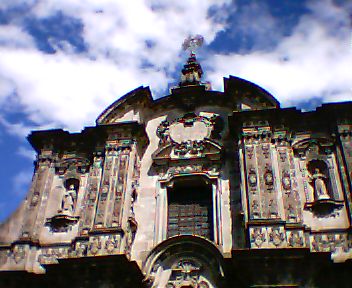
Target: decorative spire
192,71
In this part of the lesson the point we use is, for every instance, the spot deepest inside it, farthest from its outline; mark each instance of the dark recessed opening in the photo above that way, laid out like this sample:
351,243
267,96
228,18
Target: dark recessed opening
190,209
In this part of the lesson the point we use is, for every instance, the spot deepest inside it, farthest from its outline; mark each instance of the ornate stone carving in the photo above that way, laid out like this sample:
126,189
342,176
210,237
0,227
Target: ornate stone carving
257,237
35,199
94,245
282,155
189,127
51,255
4,256
276,236
185,273
61,223
318,180
329,242
295,239
252,179
111,244
320,195
250,151
80,250
72,166
255,209
269,178
286,181
68,200
18,253
266,150
272,205
291,213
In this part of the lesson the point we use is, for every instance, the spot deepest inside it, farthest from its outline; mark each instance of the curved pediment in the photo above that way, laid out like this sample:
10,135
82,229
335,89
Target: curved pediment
125,107
238,94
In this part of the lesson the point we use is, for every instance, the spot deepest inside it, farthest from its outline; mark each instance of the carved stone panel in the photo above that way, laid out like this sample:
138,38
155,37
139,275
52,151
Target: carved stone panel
258,237
260,174
35,213
330,242
113,185
288,183
91,195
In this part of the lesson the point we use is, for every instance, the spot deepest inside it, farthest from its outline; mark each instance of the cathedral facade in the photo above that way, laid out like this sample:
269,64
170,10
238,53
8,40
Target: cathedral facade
199,188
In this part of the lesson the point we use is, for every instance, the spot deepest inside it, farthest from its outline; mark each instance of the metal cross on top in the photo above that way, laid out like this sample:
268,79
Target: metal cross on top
191,43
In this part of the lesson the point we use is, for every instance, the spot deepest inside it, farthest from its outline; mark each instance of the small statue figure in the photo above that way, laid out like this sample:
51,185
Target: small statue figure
320,189
68,200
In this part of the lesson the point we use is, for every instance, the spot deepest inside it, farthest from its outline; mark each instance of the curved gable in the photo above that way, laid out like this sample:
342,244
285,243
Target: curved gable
125,105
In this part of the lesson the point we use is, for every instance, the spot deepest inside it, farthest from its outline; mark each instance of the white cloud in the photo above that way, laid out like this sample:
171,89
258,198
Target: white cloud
314,61
70,90
14,36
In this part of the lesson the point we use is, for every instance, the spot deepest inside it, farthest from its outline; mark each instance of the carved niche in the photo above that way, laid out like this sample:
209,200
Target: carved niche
70,170
66,218
321,188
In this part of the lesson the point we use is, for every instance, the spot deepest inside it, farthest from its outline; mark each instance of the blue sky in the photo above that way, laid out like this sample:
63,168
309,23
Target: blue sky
63,61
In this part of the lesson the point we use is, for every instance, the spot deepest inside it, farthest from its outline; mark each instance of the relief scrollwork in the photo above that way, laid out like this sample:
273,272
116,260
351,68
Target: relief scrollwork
330,243
269,178
72,165
257,237
80,250
276,236
51,255
18,253
112,244
185,273
94,246
282,155
286,181
252,179
266,150
189,147
295,239
255,209
250,151
291,213
163,132
210,126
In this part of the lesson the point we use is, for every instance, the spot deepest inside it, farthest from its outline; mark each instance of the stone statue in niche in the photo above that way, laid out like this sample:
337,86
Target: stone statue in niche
68,201
320,189
319,180
69,198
